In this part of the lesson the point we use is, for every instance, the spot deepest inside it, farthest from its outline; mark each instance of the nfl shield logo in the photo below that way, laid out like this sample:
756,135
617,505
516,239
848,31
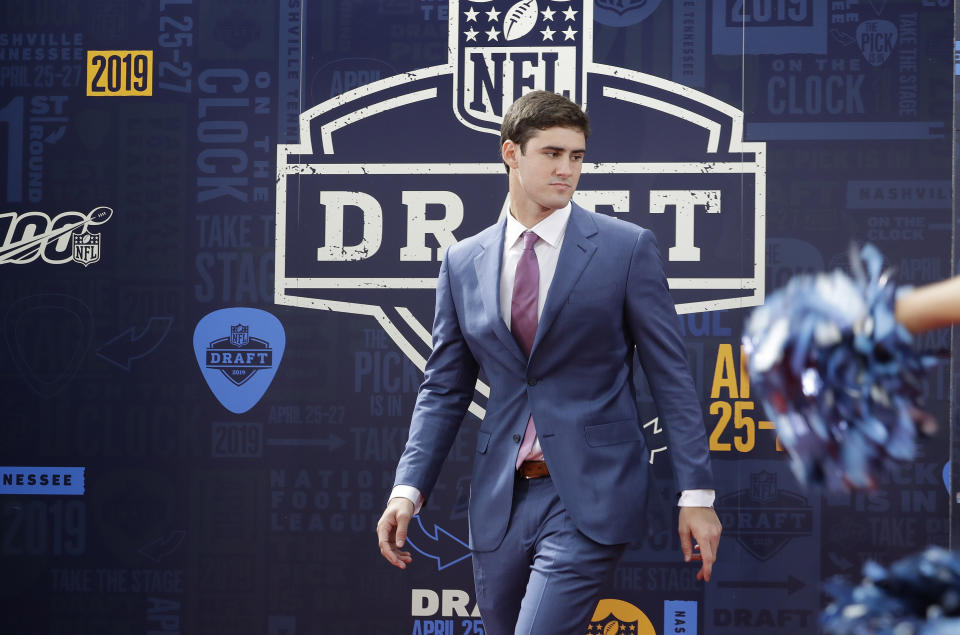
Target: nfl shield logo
625,6
622,6
239,334
507,48
611,624
763,487
86,247
627,12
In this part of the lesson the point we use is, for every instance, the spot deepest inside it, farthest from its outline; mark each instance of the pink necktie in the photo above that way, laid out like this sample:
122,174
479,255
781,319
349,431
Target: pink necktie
523,318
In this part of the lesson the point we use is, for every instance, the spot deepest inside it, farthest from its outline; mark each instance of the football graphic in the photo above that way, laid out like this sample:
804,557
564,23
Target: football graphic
520,19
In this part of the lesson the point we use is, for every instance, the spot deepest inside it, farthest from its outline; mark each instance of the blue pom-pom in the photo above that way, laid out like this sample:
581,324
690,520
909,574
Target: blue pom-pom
838,374
919,594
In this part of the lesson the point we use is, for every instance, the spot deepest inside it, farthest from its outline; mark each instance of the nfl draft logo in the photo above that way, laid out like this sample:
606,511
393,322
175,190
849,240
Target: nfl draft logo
767,517
390,174
239,367
239,356
86,247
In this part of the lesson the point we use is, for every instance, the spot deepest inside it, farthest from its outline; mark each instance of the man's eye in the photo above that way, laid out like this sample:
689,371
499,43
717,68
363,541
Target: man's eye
578,157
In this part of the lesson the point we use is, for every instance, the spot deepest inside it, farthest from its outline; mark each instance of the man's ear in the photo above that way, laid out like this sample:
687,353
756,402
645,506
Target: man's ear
509,152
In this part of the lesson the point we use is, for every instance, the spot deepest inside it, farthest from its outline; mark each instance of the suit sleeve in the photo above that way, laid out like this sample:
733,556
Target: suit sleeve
447,390
655,329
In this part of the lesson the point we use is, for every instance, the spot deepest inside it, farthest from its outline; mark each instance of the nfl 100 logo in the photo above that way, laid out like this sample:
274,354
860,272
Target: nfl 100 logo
390,174
56,240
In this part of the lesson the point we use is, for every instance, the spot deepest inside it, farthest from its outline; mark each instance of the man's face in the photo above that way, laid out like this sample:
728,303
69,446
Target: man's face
548,168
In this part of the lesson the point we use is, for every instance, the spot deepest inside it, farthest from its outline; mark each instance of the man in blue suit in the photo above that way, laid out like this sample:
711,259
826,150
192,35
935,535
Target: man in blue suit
552,302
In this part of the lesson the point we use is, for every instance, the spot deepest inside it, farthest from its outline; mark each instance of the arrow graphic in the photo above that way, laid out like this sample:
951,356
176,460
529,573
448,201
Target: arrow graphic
843,38
56,135
333,442
128,346
792,584
162,547
449,550
839,561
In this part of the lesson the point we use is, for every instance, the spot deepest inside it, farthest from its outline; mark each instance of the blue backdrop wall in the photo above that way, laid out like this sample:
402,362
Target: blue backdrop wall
221,228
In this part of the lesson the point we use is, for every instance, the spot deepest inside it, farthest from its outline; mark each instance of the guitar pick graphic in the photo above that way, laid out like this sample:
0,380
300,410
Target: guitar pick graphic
876,39
48,336
239,350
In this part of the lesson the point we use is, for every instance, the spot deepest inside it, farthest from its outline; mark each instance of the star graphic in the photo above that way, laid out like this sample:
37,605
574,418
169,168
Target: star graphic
569,14
548,34
472,15
492,34
471,35
548,14
492,15
568,34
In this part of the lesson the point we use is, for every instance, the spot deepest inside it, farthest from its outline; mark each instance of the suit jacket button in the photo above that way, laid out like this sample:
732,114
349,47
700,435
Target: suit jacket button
531,382
516,438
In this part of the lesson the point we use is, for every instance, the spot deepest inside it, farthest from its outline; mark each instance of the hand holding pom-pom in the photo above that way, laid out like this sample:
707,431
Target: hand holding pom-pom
838,372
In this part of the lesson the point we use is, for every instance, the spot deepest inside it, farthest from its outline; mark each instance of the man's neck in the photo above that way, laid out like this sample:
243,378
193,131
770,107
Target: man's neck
531,220
530,213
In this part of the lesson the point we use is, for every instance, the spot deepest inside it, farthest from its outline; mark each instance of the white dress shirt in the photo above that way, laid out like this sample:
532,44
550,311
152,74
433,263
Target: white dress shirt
551,231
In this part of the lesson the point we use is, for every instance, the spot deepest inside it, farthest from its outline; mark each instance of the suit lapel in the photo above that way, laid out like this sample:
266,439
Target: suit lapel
487,264
575,253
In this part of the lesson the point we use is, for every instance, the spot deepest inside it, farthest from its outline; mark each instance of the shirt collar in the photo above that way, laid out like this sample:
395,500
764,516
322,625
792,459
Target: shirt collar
550,229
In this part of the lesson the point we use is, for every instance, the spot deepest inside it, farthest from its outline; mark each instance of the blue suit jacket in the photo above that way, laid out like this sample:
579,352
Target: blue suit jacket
608,296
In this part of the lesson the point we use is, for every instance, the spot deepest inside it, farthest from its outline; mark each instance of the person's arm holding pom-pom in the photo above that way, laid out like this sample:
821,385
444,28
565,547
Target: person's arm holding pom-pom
931,306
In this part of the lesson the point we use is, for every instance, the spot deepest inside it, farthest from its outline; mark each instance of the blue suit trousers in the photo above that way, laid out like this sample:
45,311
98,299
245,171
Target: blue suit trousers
546,576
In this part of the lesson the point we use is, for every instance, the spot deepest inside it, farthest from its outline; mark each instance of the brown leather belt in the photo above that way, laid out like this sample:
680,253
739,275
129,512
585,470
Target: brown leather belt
533,469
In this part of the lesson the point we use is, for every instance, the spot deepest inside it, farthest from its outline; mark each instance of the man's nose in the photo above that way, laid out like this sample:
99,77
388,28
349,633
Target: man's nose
565,167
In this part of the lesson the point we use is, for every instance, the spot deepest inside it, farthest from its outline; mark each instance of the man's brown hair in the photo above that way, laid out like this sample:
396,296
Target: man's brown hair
539,110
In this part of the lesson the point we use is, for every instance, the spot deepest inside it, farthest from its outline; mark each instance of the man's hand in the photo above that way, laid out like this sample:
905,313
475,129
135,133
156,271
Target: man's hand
392,531
702,524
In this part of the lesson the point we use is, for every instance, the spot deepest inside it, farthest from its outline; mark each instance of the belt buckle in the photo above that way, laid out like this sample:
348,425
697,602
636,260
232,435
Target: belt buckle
539,470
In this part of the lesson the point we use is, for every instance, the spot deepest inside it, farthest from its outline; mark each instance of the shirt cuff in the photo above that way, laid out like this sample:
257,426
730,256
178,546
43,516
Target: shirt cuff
691,498
412,494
